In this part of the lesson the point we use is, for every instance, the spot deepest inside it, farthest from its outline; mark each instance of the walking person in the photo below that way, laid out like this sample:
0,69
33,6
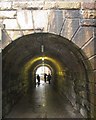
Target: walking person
45,77
49,78
38,78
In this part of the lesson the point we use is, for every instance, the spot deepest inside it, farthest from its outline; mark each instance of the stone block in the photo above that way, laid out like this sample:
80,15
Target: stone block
88,5
50,5
28,5
82,36
72,14
90,75
93,62
7,14
70,27
88,22
56,21
89,49
88,14
68,5
4,5
5,39
62,5
91,88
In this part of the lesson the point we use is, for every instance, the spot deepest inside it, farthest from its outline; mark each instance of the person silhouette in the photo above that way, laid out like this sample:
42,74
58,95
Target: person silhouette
45,77
38,78
49,78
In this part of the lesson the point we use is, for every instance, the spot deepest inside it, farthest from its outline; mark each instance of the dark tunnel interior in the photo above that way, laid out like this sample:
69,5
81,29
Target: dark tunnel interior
68,63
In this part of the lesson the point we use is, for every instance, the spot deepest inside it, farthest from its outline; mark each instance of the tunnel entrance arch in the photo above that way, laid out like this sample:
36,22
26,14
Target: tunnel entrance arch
73,61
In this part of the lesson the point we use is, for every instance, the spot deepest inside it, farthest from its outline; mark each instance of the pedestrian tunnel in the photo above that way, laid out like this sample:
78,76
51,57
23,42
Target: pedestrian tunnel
66,62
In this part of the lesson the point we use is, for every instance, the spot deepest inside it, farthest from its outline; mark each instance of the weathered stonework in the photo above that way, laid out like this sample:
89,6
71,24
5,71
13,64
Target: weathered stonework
72,14
7,14
89,49
82,36
75,21
88,22
39,5
89,5
70,27
5,5
93,62
68,5
89,14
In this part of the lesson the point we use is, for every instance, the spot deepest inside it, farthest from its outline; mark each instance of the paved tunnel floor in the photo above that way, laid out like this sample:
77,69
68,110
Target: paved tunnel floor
44,102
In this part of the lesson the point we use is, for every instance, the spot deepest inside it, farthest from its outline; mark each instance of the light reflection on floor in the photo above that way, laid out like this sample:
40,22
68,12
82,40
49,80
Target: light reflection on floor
43,102
42,83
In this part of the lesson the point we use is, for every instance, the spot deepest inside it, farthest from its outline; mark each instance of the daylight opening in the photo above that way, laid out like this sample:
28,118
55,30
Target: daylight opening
41,71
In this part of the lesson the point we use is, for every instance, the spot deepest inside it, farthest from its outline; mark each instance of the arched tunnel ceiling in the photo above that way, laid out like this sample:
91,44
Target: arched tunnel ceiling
28,47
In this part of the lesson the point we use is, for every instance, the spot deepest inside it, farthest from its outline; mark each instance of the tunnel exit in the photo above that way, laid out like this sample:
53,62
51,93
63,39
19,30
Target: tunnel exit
41,71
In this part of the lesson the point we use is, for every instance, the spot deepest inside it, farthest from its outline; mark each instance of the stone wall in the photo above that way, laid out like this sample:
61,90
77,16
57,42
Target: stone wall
12,88
79,26
75,21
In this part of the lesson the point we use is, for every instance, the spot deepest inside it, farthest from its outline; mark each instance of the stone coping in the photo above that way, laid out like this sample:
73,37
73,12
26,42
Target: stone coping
40,5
